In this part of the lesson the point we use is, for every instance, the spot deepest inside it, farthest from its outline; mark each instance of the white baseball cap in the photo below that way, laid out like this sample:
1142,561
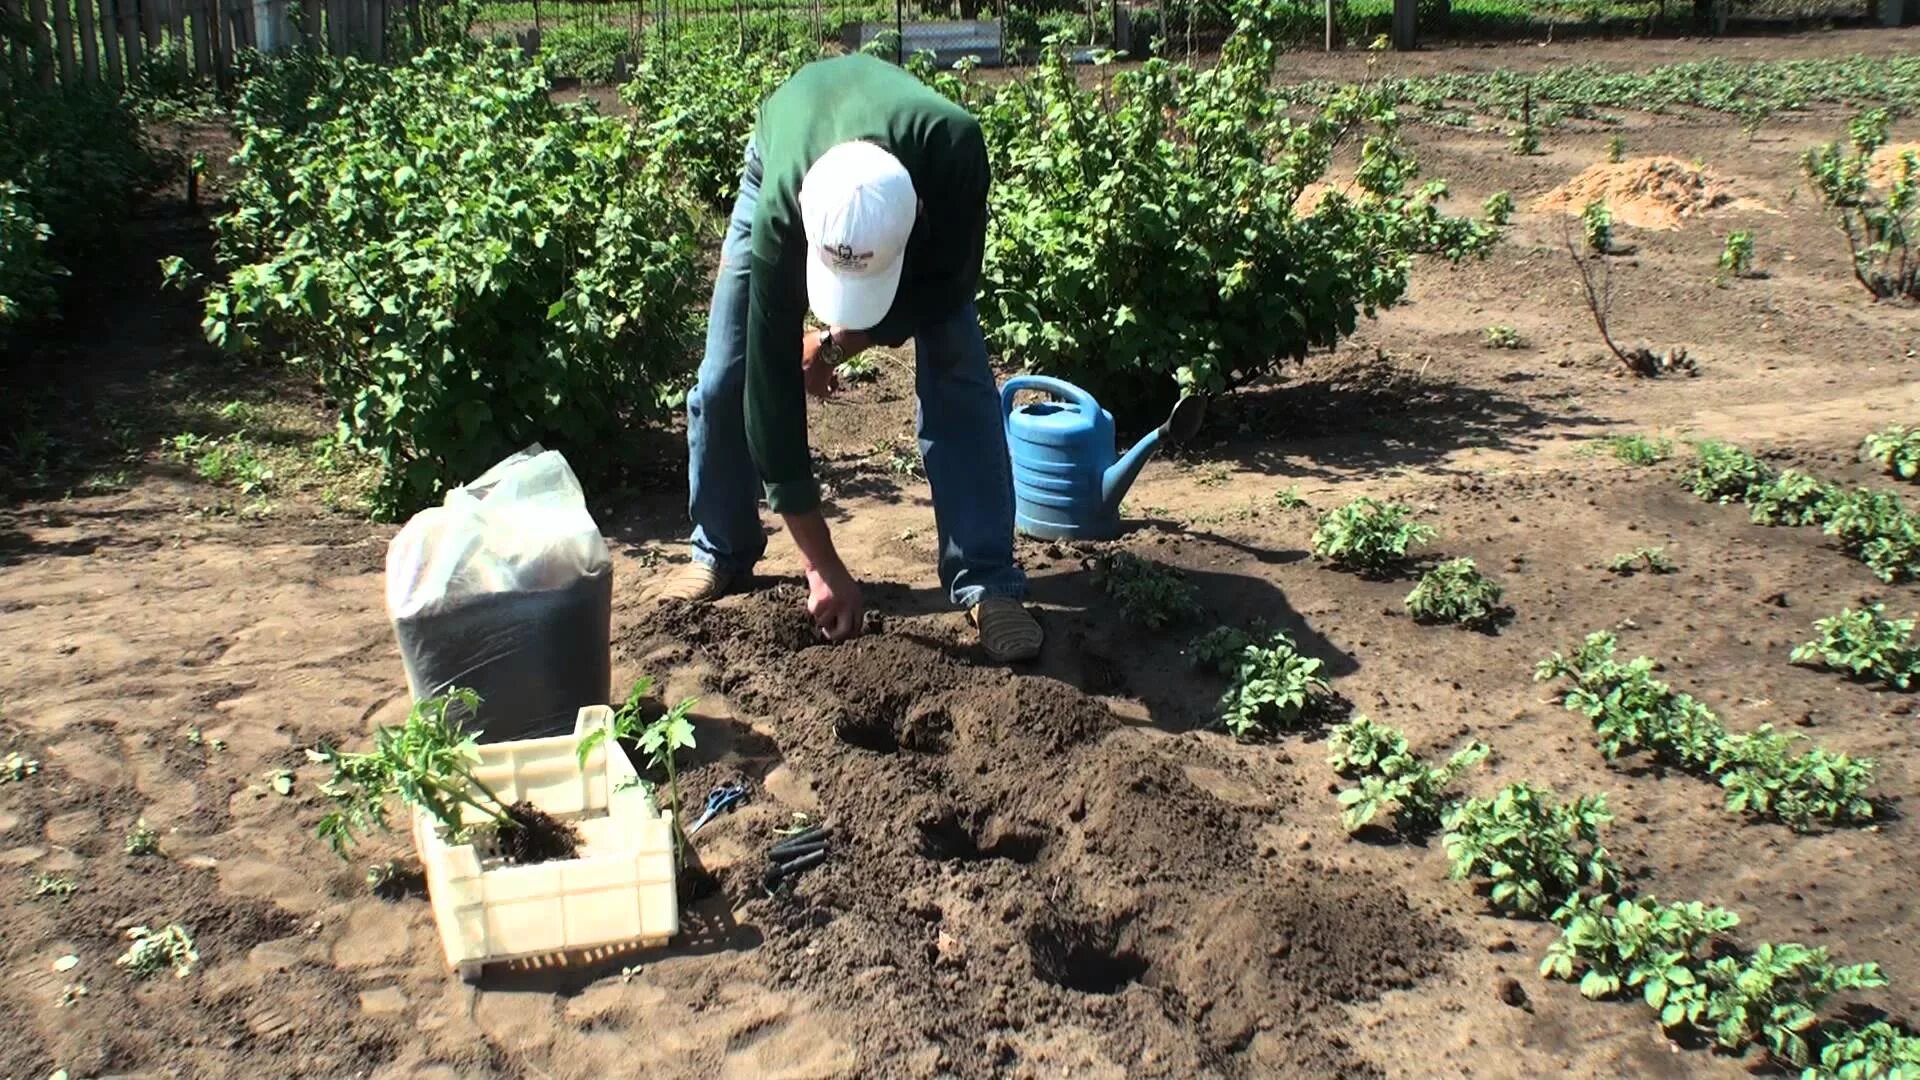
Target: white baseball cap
858,206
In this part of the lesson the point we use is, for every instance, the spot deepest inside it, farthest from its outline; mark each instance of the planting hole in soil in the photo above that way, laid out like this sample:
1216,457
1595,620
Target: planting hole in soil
1083,956
949,838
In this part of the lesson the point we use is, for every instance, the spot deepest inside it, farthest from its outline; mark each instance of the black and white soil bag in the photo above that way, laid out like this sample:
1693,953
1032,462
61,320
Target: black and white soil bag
506,589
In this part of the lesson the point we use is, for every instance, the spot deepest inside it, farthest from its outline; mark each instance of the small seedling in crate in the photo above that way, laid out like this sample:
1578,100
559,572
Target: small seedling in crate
1865,644
427,763
1456,592
142,840
1651,559
1148,593
154,951
660,740
1369,536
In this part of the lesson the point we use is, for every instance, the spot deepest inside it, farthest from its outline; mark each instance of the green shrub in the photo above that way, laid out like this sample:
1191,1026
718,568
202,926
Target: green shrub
1792,498
1393,778
1878,1051
1865,644
467,266
1897,450
1144,236
27,274
588,51
1639,449
1651,559
1535,853
1882,226
1218,650
1725,473
1456,592
1596,226
1736,259
1498,209
1275,688
1148,593
1369,536
1877,528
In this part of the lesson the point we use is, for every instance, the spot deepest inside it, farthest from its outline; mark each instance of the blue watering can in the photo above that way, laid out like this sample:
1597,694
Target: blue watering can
1067,484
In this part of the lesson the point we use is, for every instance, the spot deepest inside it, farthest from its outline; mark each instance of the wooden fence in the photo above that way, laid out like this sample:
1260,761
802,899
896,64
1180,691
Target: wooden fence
111,41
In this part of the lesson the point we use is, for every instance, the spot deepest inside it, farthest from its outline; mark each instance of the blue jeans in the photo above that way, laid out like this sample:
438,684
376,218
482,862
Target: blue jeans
963,442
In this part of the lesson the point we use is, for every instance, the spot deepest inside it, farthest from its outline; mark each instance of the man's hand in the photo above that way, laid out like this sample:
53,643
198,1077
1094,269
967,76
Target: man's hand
833,599
821,381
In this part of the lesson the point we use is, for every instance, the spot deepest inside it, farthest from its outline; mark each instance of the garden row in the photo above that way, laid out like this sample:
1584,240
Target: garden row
468,266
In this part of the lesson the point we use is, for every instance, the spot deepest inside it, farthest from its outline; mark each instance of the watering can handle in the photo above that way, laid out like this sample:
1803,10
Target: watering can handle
1059,388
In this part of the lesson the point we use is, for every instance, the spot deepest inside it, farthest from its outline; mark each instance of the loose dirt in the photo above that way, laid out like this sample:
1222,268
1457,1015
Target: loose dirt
1646,193
1060,870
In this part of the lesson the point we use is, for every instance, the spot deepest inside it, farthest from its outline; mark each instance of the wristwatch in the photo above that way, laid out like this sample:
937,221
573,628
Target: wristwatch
830,353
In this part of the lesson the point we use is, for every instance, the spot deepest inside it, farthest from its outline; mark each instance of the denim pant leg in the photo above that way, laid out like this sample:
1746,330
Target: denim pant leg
963,444
724,487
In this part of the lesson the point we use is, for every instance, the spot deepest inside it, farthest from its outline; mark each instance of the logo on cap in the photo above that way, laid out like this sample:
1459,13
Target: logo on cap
845,260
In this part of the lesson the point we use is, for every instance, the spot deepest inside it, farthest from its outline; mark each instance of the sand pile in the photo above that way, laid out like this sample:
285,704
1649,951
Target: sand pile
1647,193
1886,162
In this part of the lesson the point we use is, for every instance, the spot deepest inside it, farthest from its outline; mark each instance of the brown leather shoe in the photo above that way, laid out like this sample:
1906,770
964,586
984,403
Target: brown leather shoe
1007,630
696,582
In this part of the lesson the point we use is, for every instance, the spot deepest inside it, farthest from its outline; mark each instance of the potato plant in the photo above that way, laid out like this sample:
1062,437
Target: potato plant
1873,526
1867,645
1149,594
1877,528
153,951
1457,592
1793,498
1639,449
1877,1051
1639,946
1369,536
1498,209
16,767
1534,852
1633,712
1275,688
1736,258
1896,449
1502,336
1596,227
1393,779
1651,559
141,839
1722,472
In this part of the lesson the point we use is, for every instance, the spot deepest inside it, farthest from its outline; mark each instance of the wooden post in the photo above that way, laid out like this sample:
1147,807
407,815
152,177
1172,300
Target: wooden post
1406,25
89,48
204,63
1329,25
63,40
128,12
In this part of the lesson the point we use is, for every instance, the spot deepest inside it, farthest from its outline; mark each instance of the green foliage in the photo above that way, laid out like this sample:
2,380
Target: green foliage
1391,777
1456,592
1639,449
52,885
1865,644
1878,1051
1882,225
1502,336
1498,209
467,266
857,369
141,839
1524,139
1736,259
1616,149
17,766
1897,450
427,763
1535,853
1275,688
1289,498
1724,473
1792,498
1145,234
1596,227
588,51
1772,996
154,951
1369,536
1878,529
1218,650
698,102
1651,559
660,739
1658,951
27,272
1633,712
1149,594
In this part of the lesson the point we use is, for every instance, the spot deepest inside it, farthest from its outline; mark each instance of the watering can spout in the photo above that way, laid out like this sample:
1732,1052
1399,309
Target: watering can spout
1180,426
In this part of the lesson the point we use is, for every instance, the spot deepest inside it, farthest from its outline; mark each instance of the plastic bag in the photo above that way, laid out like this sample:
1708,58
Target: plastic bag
506,589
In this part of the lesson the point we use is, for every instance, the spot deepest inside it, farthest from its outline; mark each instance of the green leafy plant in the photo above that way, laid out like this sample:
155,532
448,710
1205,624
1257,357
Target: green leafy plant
17,766
1651,559
1724,473
1149,594
154,951
1456,592
1391,778
1616,149
1369,536
1878,1051
1640,946
1275,688
466,265
1736,258
1218,650
1596,227
1631,712
1535,853
1498,209
1896,449
1865,644
1289,498
857,369
1524,139
1792,498
1882,226
1639,449
1877,528
1098,190
142,840
589,51
1502,336
53,885
1773,995
660,739
27,273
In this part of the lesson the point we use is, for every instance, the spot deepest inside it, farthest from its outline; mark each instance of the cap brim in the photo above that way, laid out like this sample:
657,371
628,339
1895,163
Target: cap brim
851,303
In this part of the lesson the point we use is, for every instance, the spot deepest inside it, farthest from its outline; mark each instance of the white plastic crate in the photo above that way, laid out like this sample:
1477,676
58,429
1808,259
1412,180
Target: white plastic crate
620,891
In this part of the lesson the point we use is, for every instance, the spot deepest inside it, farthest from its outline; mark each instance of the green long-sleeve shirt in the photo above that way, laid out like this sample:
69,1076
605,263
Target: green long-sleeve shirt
826,103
